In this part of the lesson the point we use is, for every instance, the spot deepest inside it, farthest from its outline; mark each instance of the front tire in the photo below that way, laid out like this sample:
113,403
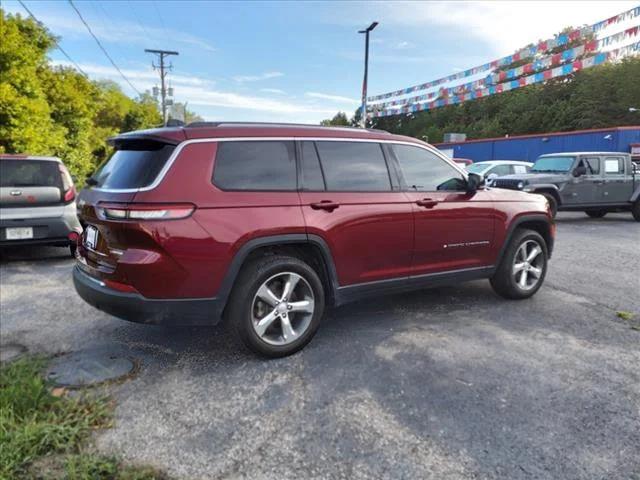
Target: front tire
276,305
523,267
596,213
635,210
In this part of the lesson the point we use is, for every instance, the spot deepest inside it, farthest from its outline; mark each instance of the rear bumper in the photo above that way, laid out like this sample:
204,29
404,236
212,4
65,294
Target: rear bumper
136,308
46,231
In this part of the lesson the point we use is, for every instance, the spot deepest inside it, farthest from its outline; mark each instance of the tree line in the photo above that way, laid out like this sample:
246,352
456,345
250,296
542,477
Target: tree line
597,97
55,110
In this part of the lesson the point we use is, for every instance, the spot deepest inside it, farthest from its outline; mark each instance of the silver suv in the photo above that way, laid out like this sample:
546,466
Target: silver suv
37,202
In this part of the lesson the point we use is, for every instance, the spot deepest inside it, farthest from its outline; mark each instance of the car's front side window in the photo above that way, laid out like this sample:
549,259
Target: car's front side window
424,171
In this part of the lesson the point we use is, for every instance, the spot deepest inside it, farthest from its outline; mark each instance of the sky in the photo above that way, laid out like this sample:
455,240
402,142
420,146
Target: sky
297,61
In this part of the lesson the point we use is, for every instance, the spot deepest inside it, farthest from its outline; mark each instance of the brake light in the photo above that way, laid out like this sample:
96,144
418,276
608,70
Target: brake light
70,194
142,211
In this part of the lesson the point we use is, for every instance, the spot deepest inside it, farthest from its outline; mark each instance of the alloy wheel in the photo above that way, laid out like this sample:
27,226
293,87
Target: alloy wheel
282,308
528,265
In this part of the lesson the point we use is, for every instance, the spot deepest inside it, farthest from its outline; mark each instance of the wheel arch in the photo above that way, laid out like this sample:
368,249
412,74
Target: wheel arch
310,248
551,190
537,222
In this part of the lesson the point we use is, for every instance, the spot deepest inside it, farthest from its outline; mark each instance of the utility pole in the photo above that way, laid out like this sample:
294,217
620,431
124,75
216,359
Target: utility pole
366,71
164,69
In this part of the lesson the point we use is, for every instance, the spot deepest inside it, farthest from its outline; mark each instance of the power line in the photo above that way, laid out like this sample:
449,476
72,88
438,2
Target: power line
164,27
54,40
102,48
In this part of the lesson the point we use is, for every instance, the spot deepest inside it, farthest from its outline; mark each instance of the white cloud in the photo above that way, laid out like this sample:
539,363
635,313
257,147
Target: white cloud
333,98
257,78
273,90
504,26
404,45
120,32
201,92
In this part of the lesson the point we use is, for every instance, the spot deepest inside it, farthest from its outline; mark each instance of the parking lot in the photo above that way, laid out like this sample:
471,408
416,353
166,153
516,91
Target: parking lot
448,383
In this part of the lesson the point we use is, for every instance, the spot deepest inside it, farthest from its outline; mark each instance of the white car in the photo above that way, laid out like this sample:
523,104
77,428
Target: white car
497,168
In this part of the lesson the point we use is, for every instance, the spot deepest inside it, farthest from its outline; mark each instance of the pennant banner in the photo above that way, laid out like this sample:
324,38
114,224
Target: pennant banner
539,77
541,47
543,63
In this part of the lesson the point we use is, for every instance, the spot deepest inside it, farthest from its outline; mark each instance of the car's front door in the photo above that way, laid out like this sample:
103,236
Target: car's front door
587,188
618,186
352,200
453,229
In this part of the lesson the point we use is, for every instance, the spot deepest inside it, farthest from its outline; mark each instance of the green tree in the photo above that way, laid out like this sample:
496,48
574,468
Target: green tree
339,120
46,110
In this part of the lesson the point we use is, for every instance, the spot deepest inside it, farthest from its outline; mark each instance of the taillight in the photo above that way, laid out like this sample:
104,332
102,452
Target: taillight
144,211
70,194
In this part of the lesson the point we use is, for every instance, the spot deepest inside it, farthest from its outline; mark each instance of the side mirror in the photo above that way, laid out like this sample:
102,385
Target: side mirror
579,171
474,182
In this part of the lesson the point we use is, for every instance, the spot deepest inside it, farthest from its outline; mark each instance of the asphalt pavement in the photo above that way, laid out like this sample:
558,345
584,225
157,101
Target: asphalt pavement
451,383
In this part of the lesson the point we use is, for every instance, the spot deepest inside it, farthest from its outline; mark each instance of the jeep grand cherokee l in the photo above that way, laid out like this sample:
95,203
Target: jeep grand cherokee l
37,202
264,225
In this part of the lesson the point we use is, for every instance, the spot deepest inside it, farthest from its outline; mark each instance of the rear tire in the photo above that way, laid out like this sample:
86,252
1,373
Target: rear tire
635,210
264,317
521,260
553,204
72,249
596,213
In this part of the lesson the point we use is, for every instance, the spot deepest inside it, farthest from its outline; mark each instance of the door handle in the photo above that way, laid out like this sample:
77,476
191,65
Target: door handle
327,205
427,203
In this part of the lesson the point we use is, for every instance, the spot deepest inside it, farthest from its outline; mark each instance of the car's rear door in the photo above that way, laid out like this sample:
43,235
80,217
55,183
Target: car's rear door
352,200
618,184
454,230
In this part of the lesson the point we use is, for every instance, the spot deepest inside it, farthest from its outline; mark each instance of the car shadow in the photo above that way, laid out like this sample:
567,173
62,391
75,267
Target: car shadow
33,253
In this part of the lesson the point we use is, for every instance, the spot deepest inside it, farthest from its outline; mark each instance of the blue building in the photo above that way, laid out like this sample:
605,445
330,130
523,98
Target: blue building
530,147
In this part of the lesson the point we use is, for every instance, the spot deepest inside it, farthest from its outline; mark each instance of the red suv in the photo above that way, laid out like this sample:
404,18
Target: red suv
265,225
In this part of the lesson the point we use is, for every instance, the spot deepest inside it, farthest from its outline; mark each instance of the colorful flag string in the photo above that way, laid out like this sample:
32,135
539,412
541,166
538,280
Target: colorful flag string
542,47
539,77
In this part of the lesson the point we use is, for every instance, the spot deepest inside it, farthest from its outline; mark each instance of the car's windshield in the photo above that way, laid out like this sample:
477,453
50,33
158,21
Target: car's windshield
477,167
553,164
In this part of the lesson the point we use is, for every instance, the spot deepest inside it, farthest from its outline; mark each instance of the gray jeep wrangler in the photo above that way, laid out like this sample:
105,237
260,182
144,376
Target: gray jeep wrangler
594,182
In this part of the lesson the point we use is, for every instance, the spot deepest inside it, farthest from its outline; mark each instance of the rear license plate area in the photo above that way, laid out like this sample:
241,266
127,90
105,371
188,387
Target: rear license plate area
18,233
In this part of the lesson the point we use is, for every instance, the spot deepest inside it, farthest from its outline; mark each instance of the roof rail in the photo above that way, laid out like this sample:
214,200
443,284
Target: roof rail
278,125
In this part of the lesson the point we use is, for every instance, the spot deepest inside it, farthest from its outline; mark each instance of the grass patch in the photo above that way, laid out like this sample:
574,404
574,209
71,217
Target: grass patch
628,316
35,424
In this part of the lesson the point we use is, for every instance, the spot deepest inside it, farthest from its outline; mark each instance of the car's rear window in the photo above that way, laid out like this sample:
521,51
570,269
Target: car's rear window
134,165
29,173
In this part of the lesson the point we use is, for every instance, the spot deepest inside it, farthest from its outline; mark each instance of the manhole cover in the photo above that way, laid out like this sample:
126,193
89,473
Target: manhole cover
80,369
11,351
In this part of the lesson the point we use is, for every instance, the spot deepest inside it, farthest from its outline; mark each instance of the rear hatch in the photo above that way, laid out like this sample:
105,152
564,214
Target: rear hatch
32,188
136,164
30,183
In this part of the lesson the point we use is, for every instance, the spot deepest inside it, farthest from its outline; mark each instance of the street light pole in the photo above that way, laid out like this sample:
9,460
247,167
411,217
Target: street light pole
366,72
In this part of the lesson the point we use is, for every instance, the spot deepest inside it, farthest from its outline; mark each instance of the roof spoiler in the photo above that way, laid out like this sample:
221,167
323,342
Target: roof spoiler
121,141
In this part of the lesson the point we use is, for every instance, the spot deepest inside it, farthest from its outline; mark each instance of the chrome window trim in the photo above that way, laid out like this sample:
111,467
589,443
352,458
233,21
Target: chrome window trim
180,146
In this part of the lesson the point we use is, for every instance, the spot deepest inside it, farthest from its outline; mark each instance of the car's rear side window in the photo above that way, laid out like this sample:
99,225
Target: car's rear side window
30,173
133,165
354,166
312,178
255,165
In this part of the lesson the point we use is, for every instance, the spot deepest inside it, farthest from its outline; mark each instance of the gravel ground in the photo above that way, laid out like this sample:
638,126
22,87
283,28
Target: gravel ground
453,383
